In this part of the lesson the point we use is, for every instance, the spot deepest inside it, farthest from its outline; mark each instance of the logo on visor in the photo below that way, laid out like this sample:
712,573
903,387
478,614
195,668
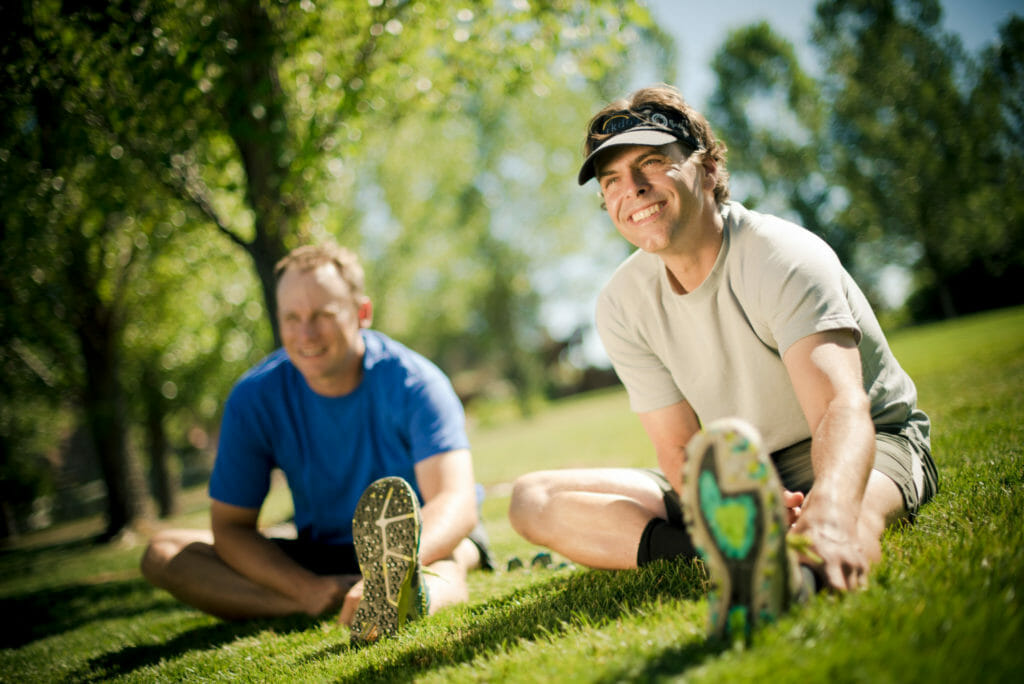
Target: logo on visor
670,122
619,122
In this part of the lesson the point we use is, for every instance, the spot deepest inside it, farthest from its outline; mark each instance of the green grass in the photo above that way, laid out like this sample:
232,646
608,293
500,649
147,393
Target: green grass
944,605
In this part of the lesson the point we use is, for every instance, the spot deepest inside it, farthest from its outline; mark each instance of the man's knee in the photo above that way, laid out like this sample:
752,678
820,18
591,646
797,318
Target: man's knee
530,493
163,548
883,502
155,558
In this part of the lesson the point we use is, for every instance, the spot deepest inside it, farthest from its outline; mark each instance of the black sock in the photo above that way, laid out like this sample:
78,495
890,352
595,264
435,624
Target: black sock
661,539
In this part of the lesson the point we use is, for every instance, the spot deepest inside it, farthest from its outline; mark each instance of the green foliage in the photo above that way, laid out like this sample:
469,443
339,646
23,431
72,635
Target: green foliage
771,112
94,255
146,146
945,603
918,162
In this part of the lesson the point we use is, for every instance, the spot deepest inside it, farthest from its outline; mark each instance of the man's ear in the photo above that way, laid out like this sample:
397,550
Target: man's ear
710,171
365,313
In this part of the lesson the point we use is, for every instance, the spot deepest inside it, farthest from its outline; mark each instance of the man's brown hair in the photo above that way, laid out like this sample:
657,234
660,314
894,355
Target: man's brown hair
665,96
309,257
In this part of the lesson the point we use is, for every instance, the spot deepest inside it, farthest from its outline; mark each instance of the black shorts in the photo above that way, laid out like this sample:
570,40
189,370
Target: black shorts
320,558
340,559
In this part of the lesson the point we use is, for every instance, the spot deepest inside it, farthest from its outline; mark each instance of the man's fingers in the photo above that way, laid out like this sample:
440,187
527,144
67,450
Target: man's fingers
792,515
792,499
846,574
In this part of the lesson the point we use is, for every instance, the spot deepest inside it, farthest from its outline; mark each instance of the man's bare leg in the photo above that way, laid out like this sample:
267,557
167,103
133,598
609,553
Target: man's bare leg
592,516
184,563
445,582
882,506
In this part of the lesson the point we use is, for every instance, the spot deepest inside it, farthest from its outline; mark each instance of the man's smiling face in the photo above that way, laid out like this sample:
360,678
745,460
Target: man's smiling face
652,194
320,321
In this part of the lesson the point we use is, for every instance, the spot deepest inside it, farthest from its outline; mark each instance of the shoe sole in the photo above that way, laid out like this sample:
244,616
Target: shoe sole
733,508
386,534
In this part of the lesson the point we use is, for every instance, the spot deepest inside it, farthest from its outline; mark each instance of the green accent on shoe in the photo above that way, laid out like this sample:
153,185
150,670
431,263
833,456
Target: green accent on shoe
732,518
739,444
738,623
386,535
542,560
733,510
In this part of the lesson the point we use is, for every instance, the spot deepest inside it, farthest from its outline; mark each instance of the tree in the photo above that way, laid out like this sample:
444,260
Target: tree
990,238
78,230
901,149
768,109
283,101
267,121
63,231
915,152
192,326
248,103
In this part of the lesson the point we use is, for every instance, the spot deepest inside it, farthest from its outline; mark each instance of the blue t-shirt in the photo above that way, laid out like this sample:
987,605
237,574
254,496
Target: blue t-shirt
330,448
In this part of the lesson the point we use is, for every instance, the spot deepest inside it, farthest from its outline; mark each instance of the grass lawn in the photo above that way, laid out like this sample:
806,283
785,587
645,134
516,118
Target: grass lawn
944,605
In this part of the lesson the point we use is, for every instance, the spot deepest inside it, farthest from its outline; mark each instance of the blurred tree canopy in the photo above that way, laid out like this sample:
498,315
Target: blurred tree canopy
158,158
905,150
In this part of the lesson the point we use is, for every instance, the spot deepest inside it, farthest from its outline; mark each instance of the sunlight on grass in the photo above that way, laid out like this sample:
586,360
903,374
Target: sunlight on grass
944,605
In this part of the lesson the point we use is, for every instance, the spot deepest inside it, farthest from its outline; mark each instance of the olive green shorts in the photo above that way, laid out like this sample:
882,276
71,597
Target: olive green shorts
899,455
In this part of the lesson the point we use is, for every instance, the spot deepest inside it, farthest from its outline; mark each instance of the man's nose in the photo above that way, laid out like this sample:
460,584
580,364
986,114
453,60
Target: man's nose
638,184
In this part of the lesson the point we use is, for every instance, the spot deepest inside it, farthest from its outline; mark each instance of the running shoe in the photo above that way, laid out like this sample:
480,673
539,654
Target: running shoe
386,533
732,505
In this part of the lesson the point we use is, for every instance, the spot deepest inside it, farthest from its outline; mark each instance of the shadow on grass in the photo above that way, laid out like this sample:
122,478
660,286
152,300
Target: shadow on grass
131,658
584,598
669,664
50,612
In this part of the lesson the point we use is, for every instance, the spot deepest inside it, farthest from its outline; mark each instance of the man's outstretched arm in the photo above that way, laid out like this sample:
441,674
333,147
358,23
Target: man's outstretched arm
670,429
825,369
447,484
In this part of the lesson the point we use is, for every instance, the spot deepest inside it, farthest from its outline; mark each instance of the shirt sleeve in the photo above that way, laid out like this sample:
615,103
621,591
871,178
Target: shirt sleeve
801,287
241,471
648,382
437,421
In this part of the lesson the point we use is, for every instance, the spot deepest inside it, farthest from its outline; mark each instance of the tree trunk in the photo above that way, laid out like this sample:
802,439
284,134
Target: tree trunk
104,415
937,266
164,483
262,142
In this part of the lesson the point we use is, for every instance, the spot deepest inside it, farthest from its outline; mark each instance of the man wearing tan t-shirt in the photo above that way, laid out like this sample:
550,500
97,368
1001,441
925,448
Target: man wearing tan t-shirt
758,370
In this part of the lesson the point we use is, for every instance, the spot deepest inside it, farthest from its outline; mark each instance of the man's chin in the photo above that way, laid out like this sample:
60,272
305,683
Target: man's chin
309,366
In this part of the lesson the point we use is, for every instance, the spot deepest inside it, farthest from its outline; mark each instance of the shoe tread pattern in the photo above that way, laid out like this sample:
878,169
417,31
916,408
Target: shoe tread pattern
386,533
733,509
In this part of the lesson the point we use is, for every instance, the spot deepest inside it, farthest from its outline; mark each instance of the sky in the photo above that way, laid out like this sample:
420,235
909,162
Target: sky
699,28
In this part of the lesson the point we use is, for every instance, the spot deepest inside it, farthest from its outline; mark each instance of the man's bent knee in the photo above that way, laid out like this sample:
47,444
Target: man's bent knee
529,495
155,558
163,548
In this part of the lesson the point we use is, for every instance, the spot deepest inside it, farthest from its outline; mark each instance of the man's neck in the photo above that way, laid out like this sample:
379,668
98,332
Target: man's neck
690,265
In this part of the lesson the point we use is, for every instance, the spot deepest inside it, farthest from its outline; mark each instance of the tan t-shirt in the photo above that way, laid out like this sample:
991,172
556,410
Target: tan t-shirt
720,347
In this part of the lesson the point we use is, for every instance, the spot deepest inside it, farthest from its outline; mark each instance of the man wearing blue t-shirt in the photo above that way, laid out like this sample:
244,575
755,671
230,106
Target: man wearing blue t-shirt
365,431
